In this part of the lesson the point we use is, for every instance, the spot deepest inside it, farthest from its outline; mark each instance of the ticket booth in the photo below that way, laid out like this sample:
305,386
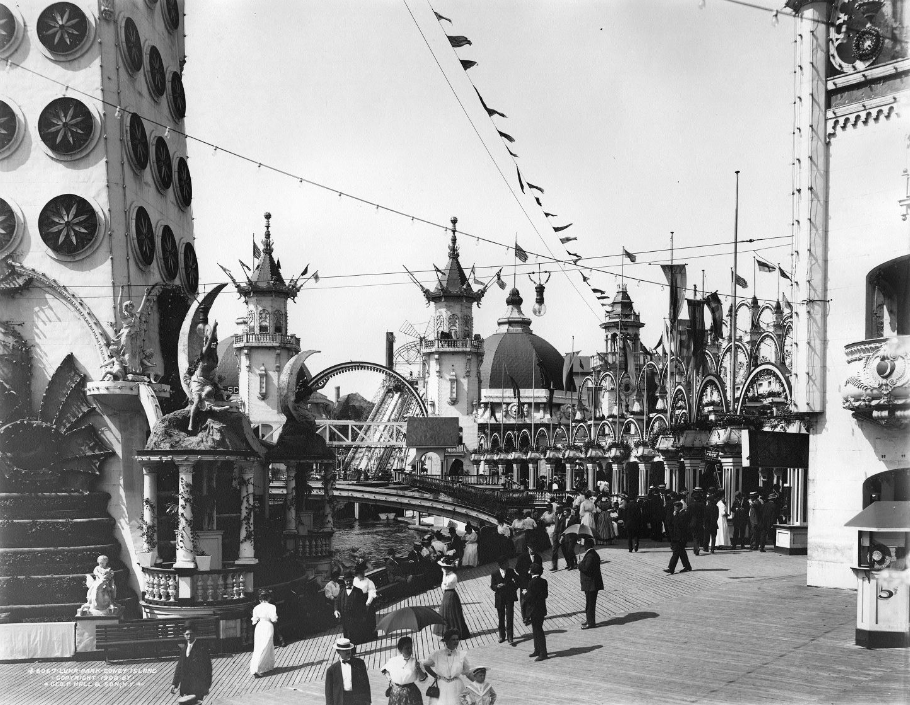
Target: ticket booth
882,577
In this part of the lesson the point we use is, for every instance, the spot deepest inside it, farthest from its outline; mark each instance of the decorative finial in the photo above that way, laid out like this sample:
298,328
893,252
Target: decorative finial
453,245
267,240
268,217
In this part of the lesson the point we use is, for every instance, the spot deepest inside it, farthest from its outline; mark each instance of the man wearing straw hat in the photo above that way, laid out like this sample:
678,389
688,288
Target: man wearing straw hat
346,680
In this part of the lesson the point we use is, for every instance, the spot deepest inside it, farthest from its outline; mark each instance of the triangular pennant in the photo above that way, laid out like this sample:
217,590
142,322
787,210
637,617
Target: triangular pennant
550,215
441,17
490,111
515,156
458,41
506,136
520,182
567,238
536,188
560,228
467,63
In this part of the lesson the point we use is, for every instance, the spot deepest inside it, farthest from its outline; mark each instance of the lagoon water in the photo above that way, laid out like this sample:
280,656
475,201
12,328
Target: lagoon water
369,540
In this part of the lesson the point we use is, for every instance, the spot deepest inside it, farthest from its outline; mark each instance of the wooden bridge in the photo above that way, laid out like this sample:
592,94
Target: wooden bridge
432,495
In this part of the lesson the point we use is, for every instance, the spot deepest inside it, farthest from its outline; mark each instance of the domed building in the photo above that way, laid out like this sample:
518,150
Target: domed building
524,405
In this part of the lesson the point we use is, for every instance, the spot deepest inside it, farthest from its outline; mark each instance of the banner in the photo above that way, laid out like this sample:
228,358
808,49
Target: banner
676,278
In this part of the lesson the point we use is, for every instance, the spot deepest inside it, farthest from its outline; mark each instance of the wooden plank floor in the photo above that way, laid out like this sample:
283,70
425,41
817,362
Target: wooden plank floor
742,627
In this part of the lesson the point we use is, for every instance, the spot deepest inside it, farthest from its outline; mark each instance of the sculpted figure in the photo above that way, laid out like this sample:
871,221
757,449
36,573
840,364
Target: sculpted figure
101,590
129,338
114,369
203,388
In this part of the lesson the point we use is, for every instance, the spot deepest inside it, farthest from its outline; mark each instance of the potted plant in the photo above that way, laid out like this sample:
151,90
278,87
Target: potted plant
203,560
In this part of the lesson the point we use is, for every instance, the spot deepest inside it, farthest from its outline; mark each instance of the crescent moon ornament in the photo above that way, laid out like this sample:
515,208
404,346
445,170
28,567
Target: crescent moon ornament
189,345
290,379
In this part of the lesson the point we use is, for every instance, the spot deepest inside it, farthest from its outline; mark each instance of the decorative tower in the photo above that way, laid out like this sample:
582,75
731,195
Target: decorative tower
622,325
453,355
263,343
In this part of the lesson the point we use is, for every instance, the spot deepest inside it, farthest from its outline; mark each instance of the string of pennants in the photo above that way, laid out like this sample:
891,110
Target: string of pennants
675,274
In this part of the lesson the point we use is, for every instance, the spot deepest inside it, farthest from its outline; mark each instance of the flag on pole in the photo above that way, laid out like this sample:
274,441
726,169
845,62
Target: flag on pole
458,41
784,274
697,333
315,277
560,228
764,266
742,283
520,253
536,188
787,305
717,315
257,253
676,278
668,338
628,254
499,282
567,238
516,392
441,17
467,63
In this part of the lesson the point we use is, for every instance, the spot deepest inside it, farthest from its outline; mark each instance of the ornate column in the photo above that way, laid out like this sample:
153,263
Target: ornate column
694,467
591,467
570,475
149,510
186,554
732,466
551,470
644,475
618,478
247,553
290,494
798,495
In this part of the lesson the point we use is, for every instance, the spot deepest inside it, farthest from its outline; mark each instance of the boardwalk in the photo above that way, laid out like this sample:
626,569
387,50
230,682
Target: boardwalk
742,627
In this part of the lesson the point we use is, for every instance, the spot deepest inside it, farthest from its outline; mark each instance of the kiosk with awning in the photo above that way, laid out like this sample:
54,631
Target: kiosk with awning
882,577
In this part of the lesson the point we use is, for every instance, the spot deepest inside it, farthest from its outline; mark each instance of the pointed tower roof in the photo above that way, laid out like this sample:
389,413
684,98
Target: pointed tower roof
452,282
624,310
266,277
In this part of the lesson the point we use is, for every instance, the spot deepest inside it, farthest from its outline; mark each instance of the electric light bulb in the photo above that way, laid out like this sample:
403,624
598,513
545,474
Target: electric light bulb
539,309
775,20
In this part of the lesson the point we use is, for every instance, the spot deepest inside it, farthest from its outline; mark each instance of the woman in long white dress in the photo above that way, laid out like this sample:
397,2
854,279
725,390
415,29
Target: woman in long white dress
469,558
265,617
588,510
447,666
723,527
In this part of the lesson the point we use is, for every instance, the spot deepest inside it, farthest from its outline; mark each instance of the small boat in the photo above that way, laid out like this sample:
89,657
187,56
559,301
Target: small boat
387,516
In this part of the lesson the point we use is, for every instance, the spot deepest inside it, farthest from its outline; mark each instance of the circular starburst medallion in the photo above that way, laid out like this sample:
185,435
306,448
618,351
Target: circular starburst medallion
171,11
9,126
131,45
154,72
66,126
170,258
867,44
177,97
162,168
10,31
63,29
184,183
190,268
144,233
68,224
9,226
137,142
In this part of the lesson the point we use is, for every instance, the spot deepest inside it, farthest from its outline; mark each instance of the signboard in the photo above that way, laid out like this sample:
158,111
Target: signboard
432,432
774,449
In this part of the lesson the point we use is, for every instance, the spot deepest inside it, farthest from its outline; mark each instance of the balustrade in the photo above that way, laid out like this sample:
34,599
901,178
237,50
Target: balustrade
266,339
213,586
313,544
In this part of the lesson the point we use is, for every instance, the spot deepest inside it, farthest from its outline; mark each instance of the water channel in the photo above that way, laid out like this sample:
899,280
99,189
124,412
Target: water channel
369,540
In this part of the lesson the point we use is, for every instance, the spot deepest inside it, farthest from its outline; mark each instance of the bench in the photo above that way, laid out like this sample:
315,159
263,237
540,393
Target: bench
150,634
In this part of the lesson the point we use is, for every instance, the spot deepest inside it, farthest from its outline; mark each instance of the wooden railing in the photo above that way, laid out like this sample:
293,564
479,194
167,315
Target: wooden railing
211,586
493,501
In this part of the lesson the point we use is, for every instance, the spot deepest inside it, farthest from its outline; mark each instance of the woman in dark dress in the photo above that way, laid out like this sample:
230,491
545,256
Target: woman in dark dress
450,609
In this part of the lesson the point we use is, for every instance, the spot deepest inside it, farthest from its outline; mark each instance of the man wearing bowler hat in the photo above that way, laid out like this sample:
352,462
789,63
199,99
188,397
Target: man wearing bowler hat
592,581
346,680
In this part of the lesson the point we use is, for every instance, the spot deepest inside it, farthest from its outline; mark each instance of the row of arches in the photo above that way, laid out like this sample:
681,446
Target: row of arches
265,321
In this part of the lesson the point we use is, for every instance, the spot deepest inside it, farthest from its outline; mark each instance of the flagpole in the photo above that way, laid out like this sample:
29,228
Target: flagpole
732,372
674,326
778,281
515,262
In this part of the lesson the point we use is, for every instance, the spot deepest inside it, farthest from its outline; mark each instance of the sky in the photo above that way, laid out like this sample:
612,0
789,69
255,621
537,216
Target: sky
632,115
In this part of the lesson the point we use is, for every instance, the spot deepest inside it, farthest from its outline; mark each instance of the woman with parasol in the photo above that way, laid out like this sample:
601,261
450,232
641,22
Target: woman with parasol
403,671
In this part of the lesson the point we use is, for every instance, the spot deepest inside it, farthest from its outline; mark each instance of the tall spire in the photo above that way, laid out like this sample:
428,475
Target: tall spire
267,240
453,244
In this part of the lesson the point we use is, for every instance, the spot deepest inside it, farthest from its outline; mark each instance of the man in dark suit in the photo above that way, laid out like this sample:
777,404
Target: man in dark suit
696,512
193,674
712,515
504,583
679,528
346,680
635,522
570,540
522,569
536,610
740,520
591,581
351,609
556,538
769,512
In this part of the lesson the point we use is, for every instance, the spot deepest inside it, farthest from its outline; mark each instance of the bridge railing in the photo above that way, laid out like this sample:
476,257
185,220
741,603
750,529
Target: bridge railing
492,501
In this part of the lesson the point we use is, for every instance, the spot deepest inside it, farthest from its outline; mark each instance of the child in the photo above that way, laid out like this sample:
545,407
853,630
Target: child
478,692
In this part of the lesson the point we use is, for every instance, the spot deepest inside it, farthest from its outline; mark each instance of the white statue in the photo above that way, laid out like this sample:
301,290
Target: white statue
129,337
114,368
101,591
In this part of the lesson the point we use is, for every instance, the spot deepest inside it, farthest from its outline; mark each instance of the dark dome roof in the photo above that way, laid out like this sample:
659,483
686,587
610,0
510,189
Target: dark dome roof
514,351
228,372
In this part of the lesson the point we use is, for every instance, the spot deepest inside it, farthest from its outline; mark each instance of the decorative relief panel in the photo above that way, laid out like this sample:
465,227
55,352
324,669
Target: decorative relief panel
69,225
11,31
64,31
12,127
68,128
863,34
